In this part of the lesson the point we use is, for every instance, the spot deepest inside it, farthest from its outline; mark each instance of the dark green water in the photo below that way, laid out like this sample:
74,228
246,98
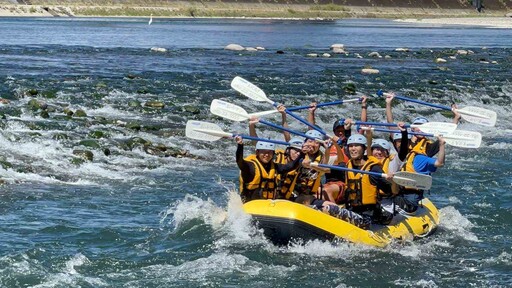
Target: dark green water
129,218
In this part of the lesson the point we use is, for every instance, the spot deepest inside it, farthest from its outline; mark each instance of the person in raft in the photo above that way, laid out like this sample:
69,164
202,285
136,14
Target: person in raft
258,172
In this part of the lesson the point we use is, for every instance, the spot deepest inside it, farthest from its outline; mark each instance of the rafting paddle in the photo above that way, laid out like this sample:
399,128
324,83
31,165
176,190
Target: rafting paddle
429,127
471,114
254,92
236,113
402,178
207,131
458,138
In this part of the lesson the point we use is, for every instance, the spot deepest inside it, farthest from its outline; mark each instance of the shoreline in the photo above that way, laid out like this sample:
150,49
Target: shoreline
427,16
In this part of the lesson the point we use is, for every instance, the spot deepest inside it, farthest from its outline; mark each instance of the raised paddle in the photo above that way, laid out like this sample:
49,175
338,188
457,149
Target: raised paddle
207,131
254,92
402,178
458,138
236,113
296,108
471,114
429,127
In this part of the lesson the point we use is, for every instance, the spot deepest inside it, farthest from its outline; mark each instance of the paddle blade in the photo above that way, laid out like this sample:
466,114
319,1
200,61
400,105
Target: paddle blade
437,128
464,139
206,131
478,115
409,179
229,111
249,90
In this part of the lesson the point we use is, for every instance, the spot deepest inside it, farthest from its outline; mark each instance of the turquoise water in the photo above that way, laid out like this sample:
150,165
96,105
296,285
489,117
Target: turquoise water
131,219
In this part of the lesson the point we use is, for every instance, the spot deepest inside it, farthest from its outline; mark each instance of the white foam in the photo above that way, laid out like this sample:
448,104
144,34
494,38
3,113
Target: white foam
452,220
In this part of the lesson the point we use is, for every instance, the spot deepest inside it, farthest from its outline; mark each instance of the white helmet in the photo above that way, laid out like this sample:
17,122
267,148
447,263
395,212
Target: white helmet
296,142
357,139
419,120
381,143
315,134
261,145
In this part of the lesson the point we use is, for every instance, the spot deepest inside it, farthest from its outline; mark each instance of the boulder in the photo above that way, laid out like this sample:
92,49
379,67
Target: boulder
154,104
440,60
234,47
369,71
251,49
84,154
80,113
158,49
402,49
312,55
374,54
326,55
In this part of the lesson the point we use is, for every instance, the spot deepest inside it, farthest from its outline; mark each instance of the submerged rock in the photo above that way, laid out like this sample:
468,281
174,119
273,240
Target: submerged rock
155,104
90,143
84,154
80,113
191,109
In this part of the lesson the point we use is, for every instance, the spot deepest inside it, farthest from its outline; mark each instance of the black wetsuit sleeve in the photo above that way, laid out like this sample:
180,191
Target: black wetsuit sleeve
348,133
246,168
285,168
404,146
378,181
432,148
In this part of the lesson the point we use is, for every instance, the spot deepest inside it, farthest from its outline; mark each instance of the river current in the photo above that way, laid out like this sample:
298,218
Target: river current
131,217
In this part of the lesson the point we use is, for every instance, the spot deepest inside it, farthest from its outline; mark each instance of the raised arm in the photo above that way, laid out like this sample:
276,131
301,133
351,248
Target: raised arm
441,155
311,113
456,115
281,108
364,109
389,109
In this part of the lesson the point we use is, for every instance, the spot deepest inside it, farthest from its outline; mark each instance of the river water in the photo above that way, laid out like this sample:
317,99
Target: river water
130,218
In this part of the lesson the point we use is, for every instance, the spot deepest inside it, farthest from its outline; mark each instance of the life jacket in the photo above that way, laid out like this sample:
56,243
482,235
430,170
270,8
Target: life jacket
333,152
279,156
409,167
263,185
360,191
308,180
287,184
385,168
420,147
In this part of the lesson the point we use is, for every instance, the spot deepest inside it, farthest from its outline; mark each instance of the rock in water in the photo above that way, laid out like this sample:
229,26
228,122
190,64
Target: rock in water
234,47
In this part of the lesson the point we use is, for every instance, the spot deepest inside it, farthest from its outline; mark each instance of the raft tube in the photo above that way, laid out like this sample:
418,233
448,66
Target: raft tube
283,221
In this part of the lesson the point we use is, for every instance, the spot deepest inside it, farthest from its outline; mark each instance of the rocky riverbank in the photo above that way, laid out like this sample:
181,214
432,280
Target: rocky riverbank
304,9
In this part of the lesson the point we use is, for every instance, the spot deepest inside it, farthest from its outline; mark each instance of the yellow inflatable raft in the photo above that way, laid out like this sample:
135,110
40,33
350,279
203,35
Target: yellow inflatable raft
283,221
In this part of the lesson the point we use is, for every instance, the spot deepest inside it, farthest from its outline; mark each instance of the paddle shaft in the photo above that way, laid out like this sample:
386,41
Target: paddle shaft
284,129
261,139
383,175
380,93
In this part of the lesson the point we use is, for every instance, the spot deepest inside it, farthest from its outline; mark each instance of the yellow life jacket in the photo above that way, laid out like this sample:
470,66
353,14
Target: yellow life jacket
420,147
287,184
385,168
263,183
280,156
308,180
360,191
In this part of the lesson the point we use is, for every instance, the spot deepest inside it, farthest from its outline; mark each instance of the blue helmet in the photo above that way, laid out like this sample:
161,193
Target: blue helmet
357,139
296,142
381,143
419,120
261,145
315,134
